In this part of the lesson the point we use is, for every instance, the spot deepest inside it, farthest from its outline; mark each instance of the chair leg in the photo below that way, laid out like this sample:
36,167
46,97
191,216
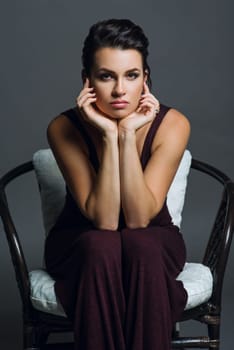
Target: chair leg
34,337
214,334
30,338
176,334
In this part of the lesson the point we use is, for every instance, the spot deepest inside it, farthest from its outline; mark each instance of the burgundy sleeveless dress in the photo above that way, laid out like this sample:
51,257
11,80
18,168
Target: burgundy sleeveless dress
119,288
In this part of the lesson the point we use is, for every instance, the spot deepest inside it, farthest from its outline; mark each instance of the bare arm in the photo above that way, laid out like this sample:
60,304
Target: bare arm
103,202
143,193
96,194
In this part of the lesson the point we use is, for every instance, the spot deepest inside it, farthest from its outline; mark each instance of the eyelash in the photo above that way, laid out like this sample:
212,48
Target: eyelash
104,76
108,76
133,75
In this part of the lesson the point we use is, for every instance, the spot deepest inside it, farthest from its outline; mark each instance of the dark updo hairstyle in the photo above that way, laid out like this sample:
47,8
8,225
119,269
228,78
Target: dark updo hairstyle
114,33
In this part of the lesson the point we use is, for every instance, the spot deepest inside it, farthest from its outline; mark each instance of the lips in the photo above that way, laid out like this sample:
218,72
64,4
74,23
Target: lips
119,103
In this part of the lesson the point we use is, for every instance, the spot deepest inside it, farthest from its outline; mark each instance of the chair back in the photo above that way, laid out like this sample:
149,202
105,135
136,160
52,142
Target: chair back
53,189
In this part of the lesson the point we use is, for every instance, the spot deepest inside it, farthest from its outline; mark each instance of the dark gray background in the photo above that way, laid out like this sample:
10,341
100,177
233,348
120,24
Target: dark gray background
191,57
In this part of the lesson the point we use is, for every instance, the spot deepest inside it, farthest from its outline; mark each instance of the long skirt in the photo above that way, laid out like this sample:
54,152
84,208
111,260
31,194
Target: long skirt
119,288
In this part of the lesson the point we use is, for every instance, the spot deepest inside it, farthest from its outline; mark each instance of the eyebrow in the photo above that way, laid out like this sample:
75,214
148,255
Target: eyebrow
111,71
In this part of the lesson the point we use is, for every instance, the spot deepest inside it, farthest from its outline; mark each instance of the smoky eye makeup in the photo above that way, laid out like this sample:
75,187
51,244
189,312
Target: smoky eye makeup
133,75
106,75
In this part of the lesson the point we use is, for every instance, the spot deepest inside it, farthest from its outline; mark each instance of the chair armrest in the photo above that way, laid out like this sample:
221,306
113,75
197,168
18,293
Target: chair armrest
17,255
218,246
220,240
210,170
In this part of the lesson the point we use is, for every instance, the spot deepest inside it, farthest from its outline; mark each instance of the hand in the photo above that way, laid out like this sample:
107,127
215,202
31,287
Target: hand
147,109
86,104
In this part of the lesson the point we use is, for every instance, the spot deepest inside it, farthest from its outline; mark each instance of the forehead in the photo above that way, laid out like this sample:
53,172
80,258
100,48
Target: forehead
116,59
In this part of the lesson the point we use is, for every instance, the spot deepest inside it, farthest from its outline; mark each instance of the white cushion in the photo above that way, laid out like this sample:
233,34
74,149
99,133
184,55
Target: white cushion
198,282
176,193
52,186
53,191
196,278
42,295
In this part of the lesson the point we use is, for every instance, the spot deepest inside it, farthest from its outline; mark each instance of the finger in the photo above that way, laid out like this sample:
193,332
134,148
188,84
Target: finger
144,108
87,83
149,103
147,107
147,93
85,100
154,102
85,92
149,96
146,88
87,109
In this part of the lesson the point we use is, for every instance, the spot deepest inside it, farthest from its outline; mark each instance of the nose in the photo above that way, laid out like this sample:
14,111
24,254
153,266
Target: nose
119,88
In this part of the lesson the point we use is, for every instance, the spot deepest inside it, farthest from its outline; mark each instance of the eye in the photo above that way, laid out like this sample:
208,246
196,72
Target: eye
132,75
105,76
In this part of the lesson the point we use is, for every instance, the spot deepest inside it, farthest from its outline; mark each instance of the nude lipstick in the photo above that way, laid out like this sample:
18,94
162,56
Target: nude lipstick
119,104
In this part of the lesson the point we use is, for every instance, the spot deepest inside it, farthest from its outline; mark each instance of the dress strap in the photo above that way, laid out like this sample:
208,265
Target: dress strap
146,152
74,117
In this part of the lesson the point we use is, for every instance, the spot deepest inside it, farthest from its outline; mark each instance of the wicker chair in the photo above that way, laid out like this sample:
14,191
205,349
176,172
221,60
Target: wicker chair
38,325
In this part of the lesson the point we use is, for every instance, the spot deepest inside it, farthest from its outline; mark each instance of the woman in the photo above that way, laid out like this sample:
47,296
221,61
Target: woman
114,251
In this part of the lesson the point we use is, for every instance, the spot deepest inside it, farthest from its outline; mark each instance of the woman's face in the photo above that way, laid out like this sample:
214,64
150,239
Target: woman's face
117,77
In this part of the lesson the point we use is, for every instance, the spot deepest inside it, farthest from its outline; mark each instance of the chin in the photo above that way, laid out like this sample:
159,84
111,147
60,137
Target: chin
119,113
116,113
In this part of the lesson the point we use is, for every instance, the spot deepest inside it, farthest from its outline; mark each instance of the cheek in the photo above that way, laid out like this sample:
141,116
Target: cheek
138,88
137,92
101,92
102,101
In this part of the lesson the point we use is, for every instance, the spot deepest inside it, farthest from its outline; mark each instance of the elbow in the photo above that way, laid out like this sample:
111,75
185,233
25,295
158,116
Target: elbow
106,225
134,224
102,221
140,221
142,217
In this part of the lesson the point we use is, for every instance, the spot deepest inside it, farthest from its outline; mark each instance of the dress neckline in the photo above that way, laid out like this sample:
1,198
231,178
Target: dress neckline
146,149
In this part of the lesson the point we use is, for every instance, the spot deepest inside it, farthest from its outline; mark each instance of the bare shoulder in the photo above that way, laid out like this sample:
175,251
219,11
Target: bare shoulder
175,120
174,129
59,125
61,131
62,128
